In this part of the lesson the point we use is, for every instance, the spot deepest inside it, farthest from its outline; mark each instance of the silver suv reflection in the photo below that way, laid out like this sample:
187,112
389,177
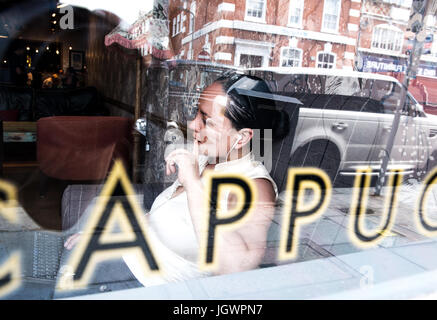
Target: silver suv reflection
346,119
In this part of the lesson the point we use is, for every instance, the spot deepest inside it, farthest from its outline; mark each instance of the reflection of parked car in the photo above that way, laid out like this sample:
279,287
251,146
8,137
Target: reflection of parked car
346,120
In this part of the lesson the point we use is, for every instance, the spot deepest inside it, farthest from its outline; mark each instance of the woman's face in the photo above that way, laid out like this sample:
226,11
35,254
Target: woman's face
212,130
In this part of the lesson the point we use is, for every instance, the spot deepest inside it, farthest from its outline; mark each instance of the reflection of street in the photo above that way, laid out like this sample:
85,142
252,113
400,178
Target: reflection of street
40,255
328,236
326,254
328,264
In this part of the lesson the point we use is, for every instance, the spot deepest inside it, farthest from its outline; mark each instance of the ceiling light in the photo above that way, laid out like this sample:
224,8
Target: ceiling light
61,5
53,14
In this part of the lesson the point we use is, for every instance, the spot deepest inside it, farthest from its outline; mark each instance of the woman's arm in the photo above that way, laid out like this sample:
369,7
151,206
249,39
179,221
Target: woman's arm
244,248
238,249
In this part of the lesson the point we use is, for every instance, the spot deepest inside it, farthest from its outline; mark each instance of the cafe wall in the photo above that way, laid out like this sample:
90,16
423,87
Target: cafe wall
113,71
110,69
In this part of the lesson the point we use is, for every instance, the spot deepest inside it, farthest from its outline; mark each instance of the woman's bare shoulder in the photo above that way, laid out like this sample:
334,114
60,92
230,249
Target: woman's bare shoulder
265,190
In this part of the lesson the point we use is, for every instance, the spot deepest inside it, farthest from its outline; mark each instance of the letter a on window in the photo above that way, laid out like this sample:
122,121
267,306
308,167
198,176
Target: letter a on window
115,228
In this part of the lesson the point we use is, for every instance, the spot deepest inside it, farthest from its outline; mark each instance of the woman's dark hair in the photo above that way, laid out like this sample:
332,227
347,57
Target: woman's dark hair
247,109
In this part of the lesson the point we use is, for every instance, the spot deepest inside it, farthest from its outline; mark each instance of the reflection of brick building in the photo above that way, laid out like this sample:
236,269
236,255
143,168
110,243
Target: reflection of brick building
306,33
266,32
147,34
385,40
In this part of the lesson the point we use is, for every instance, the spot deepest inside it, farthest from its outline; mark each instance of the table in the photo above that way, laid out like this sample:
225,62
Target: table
19,132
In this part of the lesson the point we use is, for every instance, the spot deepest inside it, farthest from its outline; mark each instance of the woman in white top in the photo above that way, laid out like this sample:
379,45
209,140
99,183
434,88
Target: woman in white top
222,131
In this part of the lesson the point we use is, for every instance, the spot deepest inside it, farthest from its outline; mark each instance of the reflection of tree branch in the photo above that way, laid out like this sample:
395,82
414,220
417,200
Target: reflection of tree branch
159,13
312,12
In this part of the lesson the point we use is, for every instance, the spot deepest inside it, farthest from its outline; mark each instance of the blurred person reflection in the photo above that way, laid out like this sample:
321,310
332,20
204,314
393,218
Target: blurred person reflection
20,76
222,131
70,80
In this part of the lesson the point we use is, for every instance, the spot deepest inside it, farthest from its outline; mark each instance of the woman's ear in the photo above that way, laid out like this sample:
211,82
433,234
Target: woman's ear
246,135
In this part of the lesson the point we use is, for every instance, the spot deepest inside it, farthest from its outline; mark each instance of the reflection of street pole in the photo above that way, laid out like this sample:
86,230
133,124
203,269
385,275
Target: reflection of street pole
136,135
420,10
358,58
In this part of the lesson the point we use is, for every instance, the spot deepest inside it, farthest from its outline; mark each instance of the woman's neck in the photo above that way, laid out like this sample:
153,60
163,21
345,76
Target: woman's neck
234,155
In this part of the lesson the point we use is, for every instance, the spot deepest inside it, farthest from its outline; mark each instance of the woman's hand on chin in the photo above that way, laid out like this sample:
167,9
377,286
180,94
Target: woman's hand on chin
187,164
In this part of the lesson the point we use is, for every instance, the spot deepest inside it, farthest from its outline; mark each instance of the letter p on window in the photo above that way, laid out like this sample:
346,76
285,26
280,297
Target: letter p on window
218,218
299,208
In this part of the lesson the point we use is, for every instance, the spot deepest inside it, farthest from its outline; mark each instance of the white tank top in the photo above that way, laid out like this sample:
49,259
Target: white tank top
171,232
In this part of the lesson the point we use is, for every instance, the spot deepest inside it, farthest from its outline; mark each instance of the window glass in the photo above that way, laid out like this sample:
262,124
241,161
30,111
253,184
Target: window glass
291,57
361,104
388,93
296,11
178,24
255,8
325,60
192,15
331,15
96,97
342,85
387,38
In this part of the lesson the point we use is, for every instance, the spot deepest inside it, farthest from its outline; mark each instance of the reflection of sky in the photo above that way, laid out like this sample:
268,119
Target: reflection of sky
127,10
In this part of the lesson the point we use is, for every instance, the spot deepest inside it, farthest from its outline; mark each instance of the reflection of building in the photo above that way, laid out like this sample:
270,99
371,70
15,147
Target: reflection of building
147,34
133,37
266,32
140,32
307,33
386,42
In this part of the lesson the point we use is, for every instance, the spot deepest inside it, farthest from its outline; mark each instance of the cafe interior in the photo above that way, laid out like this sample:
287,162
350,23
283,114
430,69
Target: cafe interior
71,88
82,90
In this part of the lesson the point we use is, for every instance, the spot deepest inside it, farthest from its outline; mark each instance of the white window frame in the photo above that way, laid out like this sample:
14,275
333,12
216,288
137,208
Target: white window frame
402,3
178,24
379,43
296,4
324,29
174,27
256,48
334,63
190,51
192,16
256,19
291,48
183,18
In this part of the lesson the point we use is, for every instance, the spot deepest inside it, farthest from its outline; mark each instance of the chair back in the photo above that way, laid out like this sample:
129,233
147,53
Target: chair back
82,147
